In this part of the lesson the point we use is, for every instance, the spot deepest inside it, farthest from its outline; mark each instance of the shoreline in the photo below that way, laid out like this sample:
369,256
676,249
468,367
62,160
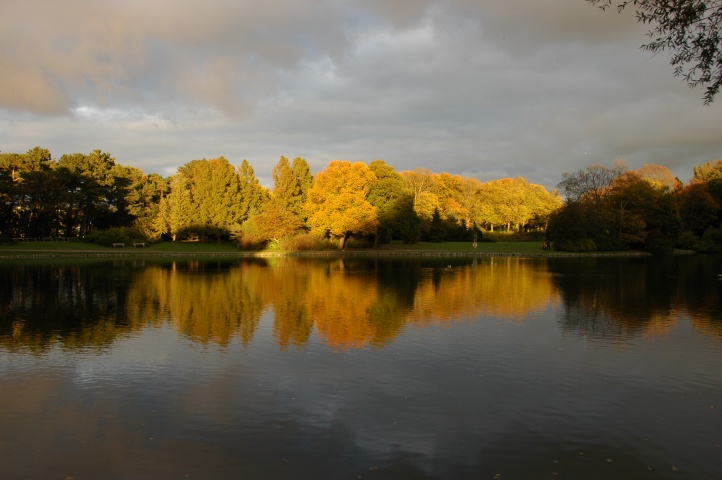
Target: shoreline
49,254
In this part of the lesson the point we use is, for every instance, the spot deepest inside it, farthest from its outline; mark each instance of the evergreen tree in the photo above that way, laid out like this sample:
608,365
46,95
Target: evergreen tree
252,193
437,233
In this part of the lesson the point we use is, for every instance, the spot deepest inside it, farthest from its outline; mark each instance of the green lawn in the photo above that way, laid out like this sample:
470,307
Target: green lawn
50,246
230,248
170,247
22,249
483,247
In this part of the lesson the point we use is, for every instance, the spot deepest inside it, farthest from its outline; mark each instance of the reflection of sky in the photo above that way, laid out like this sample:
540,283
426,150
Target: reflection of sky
436,399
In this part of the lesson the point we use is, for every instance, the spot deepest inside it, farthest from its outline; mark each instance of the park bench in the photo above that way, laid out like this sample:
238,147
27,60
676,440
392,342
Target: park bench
139,244
121,245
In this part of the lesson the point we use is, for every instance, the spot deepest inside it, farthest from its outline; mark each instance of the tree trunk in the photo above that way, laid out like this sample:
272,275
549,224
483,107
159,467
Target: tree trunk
342,241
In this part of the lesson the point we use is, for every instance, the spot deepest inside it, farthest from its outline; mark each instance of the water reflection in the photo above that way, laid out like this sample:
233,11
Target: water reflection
229,369
608,298
347,302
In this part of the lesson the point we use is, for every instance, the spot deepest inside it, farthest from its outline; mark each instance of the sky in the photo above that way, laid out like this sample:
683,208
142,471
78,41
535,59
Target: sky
486,89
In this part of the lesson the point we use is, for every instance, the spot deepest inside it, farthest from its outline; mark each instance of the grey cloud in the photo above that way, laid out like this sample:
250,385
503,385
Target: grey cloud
212,53
485,89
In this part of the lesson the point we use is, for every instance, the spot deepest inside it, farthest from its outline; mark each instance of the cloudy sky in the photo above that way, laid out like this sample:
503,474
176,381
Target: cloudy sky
489,89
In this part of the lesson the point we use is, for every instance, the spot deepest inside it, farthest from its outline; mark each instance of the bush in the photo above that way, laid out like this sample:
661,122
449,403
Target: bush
359,242
576,245
145,227
307,241
688,240
711,241
249,242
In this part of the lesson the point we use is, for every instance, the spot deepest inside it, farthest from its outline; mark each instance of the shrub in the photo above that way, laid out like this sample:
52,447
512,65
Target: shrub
711,241
688,240
306,241
249,242
110,236
576,245
359,242
146,229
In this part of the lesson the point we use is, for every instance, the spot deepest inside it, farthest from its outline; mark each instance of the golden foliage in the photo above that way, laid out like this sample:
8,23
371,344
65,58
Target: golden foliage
346,303
337,201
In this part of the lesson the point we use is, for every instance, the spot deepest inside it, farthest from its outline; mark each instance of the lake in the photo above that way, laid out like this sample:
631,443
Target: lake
372,368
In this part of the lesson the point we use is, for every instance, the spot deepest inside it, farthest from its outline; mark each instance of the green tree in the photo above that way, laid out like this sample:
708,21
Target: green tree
698,209
274,222
707,172
503,202
408,224
485,211
175,211
93,193
215,195
143,201
710,173
387,194
280,216
690,29
284,184
541,204
43,195
645,215
304,181
252,193
291,184
467,196
337,204
419,181
572,228
437,231
14,195
631,212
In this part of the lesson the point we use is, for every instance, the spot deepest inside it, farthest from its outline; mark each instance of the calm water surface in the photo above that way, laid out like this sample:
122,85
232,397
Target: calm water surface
495,368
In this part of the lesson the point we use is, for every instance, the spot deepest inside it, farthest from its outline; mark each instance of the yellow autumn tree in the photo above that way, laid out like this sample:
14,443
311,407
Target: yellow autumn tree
337,205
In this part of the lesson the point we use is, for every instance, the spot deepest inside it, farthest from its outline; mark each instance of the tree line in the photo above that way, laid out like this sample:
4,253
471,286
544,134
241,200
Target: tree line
599,208
307,295
93,197
614,208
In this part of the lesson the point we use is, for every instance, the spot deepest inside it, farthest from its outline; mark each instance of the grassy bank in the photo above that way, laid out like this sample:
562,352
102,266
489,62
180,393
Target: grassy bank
38,249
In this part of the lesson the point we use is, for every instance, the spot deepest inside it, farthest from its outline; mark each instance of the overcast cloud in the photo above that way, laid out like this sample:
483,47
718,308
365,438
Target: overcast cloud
490,89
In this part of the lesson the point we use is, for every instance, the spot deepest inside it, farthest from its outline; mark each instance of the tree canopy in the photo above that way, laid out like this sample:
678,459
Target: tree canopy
337,203
605,208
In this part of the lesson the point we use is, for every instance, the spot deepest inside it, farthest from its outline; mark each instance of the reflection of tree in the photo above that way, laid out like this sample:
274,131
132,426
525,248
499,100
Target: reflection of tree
624,297
212,302
349,302
292,323
338,301
504,287
74,306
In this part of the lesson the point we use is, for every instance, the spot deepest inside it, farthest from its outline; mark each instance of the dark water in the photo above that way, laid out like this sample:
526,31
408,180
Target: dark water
499,368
